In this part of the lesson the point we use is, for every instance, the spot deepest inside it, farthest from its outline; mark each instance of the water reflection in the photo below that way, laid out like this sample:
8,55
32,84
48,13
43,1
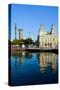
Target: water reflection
34,68
46,59
21,56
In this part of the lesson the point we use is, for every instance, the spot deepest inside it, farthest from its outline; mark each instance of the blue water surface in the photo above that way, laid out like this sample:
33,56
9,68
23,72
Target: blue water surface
31,68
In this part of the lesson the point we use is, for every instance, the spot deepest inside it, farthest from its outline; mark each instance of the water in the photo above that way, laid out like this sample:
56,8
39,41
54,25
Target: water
29,68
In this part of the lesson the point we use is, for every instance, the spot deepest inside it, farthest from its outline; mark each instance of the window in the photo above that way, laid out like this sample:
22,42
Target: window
53,39
45,44
48,43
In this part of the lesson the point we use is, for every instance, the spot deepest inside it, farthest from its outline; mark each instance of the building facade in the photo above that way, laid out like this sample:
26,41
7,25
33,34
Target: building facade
21,34
47,39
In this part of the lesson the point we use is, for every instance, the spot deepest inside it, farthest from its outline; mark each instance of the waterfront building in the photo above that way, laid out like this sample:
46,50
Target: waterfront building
47,39
20,34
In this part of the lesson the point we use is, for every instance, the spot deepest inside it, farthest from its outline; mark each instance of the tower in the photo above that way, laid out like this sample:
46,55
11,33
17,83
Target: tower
20,34
52,29
15,32
54,39
41,30
40,38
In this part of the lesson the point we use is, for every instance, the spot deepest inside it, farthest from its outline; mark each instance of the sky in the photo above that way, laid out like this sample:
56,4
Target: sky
30,17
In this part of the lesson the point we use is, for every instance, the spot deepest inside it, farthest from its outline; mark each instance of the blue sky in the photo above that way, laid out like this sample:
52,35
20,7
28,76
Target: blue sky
29,18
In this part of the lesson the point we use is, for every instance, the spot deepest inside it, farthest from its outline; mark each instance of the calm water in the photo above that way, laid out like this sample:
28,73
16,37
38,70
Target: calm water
33,68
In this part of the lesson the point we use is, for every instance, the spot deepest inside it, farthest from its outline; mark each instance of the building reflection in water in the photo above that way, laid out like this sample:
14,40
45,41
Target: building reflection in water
34,67
22,56
46,59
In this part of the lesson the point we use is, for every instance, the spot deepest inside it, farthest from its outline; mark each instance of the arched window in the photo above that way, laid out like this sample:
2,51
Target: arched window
45,44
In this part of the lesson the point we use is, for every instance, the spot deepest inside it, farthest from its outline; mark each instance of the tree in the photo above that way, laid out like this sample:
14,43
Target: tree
28,41
17,42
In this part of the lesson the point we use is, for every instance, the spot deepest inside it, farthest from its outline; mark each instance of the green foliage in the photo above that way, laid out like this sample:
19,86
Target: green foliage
28,41
17,42
22,41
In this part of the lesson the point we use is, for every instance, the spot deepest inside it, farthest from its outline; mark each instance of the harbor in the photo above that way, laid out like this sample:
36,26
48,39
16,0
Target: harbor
18,49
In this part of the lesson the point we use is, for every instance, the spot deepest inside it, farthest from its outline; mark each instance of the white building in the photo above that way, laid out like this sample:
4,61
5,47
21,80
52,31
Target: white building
47,39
